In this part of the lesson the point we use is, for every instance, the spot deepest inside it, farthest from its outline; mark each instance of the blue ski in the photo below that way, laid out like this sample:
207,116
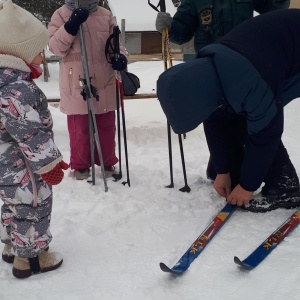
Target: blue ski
262,251
197,247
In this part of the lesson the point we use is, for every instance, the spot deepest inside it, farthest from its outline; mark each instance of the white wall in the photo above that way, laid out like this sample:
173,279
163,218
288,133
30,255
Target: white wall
139,15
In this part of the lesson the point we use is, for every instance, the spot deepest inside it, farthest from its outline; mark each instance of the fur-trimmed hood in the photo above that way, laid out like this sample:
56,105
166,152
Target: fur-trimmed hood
10,61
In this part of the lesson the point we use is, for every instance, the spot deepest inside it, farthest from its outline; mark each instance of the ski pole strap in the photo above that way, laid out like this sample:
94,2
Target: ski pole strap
112,46
109,48
34,265
116,40
161,4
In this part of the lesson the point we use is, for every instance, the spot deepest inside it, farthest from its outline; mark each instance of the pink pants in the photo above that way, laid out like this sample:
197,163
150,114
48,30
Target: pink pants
78,126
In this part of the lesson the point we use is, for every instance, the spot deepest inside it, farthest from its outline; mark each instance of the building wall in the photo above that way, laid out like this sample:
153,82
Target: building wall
146,42
133,42
295,4
151,42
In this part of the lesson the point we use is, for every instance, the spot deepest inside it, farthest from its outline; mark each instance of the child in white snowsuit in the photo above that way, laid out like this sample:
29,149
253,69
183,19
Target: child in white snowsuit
30,162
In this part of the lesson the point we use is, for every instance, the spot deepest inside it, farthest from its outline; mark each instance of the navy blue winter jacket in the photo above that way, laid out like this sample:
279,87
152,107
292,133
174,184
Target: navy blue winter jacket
259,71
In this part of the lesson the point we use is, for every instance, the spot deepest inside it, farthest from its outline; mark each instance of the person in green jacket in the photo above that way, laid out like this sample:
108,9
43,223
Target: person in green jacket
207,21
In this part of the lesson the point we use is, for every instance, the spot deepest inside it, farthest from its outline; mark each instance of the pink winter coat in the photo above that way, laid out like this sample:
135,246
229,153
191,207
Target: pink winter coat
97,29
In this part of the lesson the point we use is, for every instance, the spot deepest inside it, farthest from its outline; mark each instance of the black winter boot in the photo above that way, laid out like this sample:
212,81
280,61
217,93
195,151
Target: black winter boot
281,188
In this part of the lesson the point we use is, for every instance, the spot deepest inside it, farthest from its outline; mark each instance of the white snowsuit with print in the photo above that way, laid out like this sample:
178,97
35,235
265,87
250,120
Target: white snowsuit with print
27,150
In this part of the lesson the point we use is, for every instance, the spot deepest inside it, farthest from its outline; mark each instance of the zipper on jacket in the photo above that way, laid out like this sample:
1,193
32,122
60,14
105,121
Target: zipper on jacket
34,188
70,79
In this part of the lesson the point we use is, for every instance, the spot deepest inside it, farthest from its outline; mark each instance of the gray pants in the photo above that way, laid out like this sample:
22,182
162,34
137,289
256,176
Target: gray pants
24,227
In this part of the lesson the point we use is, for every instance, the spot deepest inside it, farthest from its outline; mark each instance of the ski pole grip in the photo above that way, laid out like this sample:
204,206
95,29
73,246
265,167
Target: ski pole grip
161,4
116,33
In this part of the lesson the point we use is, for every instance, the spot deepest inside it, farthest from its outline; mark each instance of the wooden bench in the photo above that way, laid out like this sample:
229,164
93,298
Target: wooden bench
136,96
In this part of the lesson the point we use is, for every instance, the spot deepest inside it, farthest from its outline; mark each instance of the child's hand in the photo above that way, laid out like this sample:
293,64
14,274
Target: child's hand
78,17
56,175
120,64
239,196
222,184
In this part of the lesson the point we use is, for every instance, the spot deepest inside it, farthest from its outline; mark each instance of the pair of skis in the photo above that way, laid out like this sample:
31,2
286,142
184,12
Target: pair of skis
253,260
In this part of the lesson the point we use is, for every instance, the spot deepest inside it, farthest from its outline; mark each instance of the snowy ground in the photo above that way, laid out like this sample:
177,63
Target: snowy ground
113,242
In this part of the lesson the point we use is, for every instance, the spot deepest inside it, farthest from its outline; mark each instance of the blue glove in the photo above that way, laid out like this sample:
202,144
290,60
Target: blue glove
78,16
120,64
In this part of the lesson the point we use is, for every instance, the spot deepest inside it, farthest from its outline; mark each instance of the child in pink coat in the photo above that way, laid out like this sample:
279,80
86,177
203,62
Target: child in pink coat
64,41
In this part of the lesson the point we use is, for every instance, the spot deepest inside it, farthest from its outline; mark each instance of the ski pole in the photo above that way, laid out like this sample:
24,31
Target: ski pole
171,185
166,53
109,53
87,92
118,176
124,134
186,188
164,48
116,50
162,5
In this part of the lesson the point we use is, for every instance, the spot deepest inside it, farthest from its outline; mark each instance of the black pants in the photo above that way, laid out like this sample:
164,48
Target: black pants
281,176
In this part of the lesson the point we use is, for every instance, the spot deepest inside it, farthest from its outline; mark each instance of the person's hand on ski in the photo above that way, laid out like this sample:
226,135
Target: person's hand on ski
163,21
222,184
119,64
78,17
239,196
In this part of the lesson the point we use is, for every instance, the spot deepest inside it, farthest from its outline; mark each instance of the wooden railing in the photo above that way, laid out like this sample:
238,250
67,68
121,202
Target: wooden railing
136,96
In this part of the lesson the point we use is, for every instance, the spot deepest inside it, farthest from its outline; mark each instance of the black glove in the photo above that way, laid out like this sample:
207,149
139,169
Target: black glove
120,64
78,16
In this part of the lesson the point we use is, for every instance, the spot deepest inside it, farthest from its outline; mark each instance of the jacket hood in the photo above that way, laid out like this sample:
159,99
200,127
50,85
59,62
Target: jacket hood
189,93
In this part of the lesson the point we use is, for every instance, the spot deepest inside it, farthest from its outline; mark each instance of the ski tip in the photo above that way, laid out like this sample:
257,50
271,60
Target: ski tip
176,271
242,264
165,268
237,261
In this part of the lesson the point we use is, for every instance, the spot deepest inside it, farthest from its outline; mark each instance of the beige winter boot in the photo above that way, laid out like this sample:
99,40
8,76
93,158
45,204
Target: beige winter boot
7,256
82,174
44,262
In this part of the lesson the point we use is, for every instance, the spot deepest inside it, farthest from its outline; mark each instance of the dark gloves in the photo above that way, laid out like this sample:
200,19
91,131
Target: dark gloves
56,175
163,21
78,16
120,64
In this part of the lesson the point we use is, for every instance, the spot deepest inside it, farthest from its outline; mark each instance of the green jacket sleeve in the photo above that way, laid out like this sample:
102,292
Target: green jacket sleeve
184,23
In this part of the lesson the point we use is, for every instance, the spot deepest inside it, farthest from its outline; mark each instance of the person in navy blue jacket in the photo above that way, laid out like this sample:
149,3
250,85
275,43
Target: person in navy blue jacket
253,71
